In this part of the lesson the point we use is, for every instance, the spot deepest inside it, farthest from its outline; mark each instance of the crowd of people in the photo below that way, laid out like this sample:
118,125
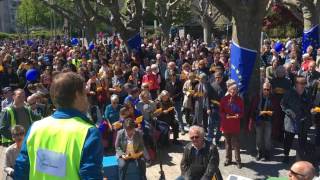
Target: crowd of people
138,97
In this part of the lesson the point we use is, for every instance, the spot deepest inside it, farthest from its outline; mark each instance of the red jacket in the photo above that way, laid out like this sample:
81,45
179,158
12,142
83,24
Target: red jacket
152,80
231,108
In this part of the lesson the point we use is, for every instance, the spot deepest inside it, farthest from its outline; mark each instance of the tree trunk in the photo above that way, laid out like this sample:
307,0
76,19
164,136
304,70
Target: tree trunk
246,33
206,30
310,24
90,32
310,16
165,31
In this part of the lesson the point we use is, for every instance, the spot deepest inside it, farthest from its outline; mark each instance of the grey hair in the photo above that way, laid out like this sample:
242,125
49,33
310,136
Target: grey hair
267,83
198,129
202,75
144,93
163,93
231,83
114,97
280,71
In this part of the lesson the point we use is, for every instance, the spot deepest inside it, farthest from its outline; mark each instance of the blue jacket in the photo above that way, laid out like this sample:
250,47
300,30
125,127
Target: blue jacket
92,152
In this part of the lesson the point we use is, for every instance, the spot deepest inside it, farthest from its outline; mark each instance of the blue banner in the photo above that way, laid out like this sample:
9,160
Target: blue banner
135,42
310,37
242,63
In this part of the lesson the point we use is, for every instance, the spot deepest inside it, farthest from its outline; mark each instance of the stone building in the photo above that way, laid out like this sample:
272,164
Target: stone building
8,15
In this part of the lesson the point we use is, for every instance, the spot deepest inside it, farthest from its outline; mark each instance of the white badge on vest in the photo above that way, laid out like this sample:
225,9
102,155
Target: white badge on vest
51,162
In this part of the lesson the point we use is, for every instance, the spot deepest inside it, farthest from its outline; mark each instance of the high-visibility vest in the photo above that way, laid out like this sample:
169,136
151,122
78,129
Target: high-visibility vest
13,122
55,147
76,62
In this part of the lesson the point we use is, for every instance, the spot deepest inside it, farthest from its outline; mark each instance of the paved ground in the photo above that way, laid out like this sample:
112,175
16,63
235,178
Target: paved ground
255,170
2,153
251,168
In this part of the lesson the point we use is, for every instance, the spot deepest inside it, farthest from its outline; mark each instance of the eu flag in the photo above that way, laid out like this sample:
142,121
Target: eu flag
242,63
135,42
310,37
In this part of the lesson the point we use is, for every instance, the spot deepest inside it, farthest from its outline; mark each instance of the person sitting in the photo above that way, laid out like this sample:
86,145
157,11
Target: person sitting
129,148
13,151
302,170
112,110
200,158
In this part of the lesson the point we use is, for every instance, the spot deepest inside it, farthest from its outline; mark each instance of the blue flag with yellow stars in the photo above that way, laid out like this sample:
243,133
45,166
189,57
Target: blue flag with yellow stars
135,42
242,64
310,37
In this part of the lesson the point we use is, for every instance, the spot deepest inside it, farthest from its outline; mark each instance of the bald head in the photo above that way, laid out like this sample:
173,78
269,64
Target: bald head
302,170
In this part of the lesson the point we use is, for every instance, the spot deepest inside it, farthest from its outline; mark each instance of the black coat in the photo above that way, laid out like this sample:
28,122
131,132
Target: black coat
202,165
175,90
297,111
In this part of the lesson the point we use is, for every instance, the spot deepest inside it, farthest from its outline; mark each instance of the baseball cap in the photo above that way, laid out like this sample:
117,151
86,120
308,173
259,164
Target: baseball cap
6,89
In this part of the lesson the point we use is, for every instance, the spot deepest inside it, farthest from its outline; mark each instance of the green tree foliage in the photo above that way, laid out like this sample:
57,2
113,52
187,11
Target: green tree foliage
34,13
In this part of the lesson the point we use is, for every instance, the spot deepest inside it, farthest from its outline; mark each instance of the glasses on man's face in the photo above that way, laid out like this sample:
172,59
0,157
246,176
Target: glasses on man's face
218,77
18,134
31,104
194,137
296,174
266,89
301,83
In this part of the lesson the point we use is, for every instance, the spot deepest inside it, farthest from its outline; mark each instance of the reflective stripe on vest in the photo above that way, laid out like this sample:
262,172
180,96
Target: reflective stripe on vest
55,147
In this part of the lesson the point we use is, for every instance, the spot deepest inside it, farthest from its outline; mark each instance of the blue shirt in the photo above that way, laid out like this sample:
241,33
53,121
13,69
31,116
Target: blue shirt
92,151
131,99
112,114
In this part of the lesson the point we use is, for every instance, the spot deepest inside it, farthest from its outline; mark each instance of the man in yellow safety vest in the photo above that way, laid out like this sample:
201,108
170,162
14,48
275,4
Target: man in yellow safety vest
15,114
65,145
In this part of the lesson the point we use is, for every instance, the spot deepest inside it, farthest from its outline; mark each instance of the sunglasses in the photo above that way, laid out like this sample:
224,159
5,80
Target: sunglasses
218,77
194,137
301,83
18,134
265,89
31,104
296,174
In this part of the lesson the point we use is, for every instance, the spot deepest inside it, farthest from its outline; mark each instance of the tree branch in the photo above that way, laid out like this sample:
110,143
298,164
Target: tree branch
78,3
195,9
291,3
223,7
174,4
61,10
295,11
95,13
